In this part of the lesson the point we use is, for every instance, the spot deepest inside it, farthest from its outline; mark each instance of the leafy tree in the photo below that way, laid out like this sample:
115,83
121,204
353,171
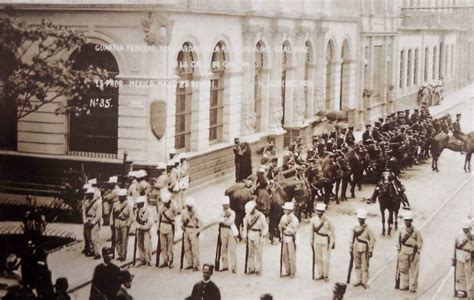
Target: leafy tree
42,72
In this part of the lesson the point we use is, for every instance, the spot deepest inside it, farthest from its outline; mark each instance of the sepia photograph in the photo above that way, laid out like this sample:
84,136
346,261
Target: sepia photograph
236,149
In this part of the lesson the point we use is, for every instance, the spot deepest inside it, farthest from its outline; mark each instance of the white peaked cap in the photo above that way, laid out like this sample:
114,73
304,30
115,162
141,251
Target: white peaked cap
288,206
361,213
466,224
86,186
132,174
189,201
92,181
408,215
165,196
225,201
122,192
141,199
161,165
141,173
113,179
249,206
321,206
90,190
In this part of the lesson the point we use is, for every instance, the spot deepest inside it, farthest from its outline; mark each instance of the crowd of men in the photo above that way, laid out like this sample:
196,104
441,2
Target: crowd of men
146,204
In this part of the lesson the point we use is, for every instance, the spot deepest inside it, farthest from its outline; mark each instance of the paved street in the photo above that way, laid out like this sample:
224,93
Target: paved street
439,200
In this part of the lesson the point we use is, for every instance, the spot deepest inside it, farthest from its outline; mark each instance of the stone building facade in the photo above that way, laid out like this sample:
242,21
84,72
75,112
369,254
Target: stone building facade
193,75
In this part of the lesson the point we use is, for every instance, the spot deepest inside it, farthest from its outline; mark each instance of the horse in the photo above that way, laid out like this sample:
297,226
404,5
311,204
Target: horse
468,147
239,194
345,179
388,200
355,156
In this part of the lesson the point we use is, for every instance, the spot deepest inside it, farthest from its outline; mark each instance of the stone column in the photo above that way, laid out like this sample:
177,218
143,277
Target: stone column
299,109
275,107
248,76
335,88
320,70
200,123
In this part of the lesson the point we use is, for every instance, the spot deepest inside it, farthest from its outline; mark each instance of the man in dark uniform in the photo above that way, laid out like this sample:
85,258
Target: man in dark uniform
367,135
349,138
415,116
457,133
106,280
205,289
237,160
407,116
376,132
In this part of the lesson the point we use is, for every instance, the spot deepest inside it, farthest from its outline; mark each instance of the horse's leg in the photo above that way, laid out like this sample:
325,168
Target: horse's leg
390,221
353,184
382,212
338,183
396,219
345,181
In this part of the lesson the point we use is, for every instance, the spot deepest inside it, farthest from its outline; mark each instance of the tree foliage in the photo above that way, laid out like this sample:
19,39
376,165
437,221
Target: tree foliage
42,72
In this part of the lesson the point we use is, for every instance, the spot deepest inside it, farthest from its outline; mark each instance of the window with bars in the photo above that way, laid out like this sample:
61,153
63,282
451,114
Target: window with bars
415,67
409,61
216,107
402,57
425,71
183,115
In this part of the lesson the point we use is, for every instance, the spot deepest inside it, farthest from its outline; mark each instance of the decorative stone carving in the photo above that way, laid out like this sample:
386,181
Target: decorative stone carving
251,119
277,113
158,118
157,29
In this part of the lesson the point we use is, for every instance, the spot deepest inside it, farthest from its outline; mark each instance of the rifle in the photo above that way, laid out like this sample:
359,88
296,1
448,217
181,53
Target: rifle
455,268
135,247
397,275
281,257
158,247
351,262
218,249
312,248
113,234
246,252
182,252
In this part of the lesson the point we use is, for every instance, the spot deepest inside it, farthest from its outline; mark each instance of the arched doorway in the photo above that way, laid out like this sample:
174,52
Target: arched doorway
96,129
345,77
184,97
8,107
216,109
329,79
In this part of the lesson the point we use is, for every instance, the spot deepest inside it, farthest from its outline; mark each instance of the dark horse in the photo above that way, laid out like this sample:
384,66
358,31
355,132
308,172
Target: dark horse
388,200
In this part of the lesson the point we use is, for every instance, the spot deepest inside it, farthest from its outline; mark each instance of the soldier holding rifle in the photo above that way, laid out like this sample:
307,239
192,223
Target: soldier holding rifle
92,218
191,224
361,248
255,228
464,263
409,245
288,227
166,227
122,219
144,220
322,240
227,235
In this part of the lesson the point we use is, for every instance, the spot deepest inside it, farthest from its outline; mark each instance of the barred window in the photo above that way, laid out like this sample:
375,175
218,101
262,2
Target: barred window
184,95
216,108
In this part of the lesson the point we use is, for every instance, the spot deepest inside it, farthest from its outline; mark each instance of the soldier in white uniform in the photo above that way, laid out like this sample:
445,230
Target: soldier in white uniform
133,189
92,218
122,219
166,226
227,233
323,241
464,262
144,187
409,246
191,225
362,247
144,221
184,177
255,229
288,227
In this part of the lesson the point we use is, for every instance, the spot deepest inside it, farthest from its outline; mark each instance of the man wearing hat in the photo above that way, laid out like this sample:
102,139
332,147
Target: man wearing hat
110,197
174,178
133,189
261,190
205,289
92,219
228,233
191,225
143,184
409,246
349,138
255,229
457,133
463,262
338,291
184,171
362,247
166,227
288,227
161,183
144,221
106,280
415,116
367,135
238,159
322,240
122,219
60,289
